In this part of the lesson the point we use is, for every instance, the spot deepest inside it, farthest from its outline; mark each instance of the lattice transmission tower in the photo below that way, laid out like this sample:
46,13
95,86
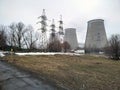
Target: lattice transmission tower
43,37
53,32
61,33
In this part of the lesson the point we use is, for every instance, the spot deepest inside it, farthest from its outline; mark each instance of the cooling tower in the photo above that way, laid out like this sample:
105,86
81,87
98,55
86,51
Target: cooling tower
71,38
96,36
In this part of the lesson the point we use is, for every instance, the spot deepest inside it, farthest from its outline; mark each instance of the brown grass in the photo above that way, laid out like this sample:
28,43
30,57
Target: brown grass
74,72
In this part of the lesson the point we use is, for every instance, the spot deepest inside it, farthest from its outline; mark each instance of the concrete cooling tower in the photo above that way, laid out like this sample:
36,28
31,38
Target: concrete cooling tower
71,38
96,36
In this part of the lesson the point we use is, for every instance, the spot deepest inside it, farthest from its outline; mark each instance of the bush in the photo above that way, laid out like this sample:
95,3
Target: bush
66,46
54,46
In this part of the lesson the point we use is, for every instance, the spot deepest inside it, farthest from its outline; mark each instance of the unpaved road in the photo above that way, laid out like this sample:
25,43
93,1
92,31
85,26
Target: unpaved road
12,78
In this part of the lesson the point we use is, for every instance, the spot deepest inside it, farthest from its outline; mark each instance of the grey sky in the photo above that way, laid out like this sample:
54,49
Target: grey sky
75,13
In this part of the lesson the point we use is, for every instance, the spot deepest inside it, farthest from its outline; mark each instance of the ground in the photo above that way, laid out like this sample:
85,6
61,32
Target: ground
12,78
73,72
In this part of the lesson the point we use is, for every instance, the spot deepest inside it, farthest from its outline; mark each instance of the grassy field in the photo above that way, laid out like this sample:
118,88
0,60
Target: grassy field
74,72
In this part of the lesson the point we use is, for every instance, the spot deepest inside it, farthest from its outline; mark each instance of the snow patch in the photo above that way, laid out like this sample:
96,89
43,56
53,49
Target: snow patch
80,51
1,54
47,53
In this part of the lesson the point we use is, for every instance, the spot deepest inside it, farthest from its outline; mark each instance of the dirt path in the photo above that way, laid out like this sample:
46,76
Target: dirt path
13,79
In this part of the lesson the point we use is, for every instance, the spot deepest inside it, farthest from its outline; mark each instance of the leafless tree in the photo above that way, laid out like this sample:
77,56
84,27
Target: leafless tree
30,38
3,37
12,38
113,49
20,34
17,34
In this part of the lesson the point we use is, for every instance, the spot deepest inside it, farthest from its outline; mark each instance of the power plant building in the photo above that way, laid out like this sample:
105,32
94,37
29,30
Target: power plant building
71,37
96,38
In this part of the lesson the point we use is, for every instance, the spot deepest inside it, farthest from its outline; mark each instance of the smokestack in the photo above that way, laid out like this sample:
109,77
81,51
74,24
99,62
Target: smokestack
96,36
71,38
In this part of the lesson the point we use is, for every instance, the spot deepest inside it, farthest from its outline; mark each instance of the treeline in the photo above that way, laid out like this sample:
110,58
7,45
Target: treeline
19,37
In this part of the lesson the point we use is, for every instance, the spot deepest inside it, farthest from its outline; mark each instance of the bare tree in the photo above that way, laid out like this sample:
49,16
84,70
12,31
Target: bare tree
2,37
113,50
20,34
17,34
12,38
30,38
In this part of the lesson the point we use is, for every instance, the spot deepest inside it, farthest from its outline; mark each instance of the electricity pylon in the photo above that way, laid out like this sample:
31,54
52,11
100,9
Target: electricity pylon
61,33
53,32
43,22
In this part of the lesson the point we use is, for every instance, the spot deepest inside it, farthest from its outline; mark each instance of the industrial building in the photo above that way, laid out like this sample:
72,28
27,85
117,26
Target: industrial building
96,38
71,37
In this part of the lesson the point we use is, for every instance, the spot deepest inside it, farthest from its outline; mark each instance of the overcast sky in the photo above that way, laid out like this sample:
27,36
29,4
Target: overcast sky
75,13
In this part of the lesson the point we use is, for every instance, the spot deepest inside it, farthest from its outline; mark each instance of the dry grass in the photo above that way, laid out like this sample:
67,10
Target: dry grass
74,72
